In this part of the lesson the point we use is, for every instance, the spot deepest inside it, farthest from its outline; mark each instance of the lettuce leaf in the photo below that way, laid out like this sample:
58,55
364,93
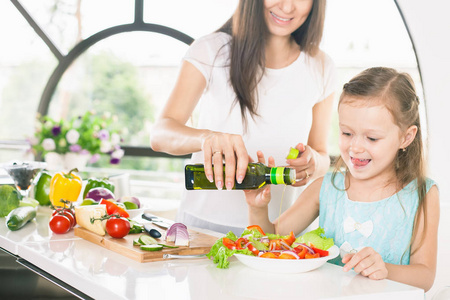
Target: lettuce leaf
317,238
220,254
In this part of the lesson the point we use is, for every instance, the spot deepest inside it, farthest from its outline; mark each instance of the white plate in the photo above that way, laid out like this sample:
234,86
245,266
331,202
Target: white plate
138,211
286,266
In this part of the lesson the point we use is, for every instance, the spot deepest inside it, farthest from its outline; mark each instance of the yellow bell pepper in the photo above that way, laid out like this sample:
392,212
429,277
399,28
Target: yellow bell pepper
65,186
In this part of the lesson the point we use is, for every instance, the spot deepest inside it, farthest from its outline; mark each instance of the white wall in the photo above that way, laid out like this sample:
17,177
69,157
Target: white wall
429,26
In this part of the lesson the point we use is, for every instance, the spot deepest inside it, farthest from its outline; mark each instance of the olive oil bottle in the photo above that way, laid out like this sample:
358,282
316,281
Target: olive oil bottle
257,175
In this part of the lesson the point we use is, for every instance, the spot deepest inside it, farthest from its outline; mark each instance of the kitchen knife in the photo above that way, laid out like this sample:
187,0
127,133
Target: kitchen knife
168,256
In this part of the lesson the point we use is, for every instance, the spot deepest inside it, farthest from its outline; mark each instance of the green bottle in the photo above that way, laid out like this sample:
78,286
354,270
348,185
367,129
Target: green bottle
257,175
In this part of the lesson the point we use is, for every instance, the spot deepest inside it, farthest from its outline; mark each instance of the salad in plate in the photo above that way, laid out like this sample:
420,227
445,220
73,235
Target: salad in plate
254,242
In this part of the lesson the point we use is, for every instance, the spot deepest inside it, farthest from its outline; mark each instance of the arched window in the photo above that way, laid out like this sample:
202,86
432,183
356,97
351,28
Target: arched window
65,57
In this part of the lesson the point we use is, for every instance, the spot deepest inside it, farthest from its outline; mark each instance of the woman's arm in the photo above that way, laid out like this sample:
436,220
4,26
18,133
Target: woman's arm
296,218
315,160
171,135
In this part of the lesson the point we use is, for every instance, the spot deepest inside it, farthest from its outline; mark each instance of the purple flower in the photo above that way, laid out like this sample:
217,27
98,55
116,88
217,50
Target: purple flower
84,152
75,148
114,161
103,135
94,158
56,130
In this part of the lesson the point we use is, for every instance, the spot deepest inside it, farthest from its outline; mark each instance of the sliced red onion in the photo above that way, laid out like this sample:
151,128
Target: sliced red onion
310,250
264,240
178,233
285,245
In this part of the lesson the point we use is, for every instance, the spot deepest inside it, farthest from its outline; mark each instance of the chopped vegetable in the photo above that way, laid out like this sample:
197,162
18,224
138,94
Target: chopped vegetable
254,242
317,238
179,234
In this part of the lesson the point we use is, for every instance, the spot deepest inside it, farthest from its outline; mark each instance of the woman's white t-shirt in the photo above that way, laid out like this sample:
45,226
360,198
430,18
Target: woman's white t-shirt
286,99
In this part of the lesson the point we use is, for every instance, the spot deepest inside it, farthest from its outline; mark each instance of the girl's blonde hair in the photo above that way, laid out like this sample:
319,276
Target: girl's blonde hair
397,92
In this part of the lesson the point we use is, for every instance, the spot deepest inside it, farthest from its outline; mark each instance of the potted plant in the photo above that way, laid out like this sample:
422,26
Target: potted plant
78,141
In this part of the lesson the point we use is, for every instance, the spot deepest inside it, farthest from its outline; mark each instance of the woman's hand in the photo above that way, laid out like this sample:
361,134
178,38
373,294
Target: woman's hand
366,262
304,164
219,147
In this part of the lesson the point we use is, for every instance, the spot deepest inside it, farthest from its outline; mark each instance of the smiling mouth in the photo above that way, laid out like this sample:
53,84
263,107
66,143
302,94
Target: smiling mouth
357,162
280,18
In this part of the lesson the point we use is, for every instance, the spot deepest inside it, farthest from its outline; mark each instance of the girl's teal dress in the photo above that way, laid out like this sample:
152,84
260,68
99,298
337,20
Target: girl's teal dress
385,225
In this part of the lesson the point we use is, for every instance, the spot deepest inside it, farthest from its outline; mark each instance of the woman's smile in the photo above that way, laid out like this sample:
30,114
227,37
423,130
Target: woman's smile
279,19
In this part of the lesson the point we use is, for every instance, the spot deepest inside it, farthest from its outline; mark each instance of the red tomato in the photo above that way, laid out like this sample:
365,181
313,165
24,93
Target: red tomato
69,213
251,227
60,224
270,255
117,227
230,244
71,217
290,239
321,252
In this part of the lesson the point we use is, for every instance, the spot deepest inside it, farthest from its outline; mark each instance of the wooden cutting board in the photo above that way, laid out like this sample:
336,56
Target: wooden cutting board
199,243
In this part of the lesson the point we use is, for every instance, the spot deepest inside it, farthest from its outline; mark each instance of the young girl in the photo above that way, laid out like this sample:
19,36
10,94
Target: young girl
377,205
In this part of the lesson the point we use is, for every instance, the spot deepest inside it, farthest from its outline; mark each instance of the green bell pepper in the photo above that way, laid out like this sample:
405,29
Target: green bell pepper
42,188
98,182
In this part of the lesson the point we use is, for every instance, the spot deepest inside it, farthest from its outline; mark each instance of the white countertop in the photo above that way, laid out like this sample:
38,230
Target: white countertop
103,274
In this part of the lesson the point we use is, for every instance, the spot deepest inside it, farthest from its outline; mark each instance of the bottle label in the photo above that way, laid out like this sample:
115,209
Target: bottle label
277,175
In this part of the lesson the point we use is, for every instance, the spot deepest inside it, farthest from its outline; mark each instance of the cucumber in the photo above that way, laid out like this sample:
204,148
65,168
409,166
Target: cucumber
147,240
20,216
151,247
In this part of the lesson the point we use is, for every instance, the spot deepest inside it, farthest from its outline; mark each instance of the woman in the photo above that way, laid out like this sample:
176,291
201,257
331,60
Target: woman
261,83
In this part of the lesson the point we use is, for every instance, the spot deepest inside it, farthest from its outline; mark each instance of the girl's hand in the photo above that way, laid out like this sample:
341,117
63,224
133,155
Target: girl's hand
218,147
366,262
304,164
261,197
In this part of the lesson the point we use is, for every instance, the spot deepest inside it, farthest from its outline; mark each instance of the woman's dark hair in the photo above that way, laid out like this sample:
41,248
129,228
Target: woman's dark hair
248,30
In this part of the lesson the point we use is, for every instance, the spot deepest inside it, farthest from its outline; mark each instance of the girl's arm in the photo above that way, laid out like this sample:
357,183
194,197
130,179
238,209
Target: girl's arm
422,268
171,135
296,218
315,159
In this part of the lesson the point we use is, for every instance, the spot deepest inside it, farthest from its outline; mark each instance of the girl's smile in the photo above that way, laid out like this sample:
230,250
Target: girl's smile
369,139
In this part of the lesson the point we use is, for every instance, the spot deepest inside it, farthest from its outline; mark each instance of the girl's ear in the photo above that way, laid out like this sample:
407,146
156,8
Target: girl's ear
409,136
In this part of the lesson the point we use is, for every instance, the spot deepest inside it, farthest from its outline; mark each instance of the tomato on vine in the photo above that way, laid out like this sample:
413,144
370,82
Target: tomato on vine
60,224
117,226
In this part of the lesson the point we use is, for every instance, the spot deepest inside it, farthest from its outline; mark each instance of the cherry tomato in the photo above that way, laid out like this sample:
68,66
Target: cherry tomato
251,227
230,244
71,218
68,213
60,224
117,227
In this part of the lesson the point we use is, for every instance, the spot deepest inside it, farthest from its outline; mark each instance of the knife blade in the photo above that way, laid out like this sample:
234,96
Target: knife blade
168,256
156,220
